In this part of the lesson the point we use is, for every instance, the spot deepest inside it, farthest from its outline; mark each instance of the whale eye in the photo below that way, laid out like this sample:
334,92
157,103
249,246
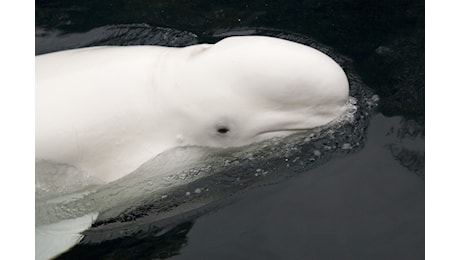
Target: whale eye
223,130
223,127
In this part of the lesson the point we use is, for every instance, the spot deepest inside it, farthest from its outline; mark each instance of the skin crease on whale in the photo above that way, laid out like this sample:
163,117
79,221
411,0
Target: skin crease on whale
107,110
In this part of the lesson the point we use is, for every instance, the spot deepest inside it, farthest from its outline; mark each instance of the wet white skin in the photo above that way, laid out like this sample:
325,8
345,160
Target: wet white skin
107,110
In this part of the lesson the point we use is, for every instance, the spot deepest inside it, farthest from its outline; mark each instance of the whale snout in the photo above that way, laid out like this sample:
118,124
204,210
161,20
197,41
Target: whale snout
295,85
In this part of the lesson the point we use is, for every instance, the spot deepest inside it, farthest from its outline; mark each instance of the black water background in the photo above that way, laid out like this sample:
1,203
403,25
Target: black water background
368,205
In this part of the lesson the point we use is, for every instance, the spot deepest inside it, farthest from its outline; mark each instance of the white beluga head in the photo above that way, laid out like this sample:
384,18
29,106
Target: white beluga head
246,89
107,110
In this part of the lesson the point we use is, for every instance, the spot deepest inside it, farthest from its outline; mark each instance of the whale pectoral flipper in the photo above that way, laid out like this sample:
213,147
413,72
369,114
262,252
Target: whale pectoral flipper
52,239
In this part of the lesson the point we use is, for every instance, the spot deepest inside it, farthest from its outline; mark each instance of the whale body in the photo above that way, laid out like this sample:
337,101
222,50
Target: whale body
107,110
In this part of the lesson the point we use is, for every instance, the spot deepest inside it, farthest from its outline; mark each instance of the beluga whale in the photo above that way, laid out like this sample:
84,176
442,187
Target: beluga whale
108,109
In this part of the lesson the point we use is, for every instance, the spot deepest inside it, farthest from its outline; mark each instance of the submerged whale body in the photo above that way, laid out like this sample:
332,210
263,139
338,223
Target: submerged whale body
107,110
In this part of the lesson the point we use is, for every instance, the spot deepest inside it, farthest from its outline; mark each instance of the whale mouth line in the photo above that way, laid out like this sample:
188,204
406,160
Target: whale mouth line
286,131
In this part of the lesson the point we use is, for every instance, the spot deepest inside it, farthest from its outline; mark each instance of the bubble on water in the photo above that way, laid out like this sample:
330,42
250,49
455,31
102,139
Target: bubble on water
352,101
317,153
198,191
346,146
375,98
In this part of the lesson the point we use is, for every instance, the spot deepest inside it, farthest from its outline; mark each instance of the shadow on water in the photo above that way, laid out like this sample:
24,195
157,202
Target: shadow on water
155,244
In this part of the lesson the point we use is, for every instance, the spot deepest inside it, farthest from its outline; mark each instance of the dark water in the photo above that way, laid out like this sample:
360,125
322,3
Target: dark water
365,205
